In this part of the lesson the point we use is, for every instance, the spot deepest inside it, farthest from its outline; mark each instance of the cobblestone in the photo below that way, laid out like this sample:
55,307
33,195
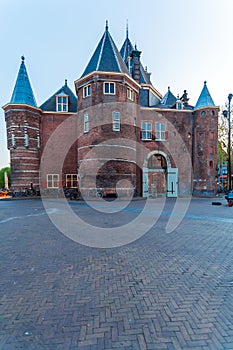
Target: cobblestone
163,291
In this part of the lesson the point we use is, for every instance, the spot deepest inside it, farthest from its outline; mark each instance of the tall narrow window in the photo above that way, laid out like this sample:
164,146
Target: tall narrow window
116,121
87,91
26,140
72,180
146,131
62,103
86,123
130,94
109,88
160,131
52,180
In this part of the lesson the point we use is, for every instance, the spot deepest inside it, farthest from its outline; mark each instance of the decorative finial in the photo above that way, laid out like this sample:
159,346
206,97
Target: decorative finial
106,25
168,88
136,47
22,58
127,29
65,82
205,82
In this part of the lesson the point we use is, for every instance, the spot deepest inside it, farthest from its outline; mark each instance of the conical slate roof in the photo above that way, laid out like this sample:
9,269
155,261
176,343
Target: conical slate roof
126,49
205,98
23,93
106,57
168,99
125,52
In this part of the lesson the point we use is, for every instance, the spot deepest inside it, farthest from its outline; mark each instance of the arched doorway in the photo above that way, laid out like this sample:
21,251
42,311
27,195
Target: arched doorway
159,179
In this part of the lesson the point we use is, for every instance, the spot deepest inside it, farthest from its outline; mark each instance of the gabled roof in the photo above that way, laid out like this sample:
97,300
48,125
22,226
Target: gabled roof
205,98
168,100
125,52
106,57
23,93
50,104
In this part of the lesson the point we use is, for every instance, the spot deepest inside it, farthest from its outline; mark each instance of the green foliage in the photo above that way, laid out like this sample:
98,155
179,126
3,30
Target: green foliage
2,172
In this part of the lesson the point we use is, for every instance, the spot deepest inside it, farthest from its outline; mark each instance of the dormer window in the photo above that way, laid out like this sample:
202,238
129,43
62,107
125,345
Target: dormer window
109,88
62,103
87,91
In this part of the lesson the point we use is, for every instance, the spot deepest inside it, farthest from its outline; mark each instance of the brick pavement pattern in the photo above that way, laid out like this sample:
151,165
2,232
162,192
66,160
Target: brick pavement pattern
164,291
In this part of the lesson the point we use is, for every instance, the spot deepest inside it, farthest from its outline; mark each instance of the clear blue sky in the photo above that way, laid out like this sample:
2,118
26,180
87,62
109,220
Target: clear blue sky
183,43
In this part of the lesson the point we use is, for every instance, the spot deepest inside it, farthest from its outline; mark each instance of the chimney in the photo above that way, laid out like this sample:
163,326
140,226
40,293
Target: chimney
136,64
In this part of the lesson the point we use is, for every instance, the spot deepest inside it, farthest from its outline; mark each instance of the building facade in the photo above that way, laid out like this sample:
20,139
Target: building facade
116,134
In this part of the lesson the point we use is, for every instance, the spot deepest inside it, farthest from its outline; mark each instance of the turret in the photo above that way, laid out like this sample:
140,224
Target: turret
23,132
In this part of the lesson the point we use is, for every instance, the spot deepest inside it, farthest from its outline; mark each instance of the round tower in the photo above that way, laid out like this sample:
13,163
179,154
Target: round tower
108,104
23,133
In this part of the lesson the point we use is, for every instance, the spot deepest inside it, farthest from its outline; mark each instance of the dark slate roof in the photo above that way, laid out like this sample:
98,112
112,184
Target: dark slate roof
125,52
106,57
168,100
50,104
205,98
23,93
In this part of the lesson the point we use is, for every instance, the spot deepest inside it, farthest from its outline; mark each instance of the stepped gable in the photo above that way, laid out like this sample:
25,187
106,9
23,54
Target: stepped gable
22,93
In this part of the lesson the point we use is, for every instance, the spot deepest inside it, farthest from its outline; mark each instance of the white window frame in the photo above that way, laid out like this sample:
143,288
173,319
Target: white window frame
87,91
52,180
62,103
116,121
130,94
73,178
86,123
109,84
146,130
160,131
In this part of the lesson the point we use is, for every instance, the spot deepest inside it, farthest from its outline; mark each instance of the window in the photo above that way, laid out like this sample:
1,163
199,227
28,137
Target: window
86,123
212,135
62,103
26,140
146,131
160,131
109,88
130,94
211,149
72,180
116,120
52,180
87,91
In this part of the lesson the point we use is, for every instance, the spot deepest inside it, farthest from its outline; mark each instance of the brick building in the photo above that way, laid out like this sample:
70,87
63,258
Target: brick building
117,133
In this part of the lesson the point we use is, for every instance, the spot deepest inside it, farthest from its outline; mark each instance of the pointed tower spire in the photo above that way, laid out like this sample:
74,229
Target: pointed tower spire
205,98
106,57
23,93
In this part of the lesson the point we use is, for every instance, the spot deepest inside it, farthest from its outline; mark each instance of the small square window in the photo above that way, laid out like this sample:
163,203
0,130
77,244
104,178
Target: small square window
71,180
146,131
52,181
109,88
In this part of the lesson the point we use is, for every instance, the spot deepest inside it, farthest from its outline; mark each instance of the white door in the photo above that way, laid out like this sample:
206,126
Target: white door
172,182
